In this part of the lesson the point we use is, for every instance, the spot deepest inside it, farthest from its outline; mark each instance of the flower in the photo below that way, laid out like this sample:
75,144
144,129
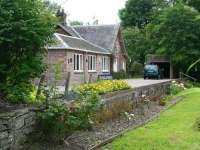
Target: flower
132,115
173,81
143,96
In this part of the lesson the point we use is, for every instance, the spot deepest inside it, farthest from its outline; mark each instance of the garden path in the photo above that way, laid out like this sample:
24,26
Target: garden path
141,82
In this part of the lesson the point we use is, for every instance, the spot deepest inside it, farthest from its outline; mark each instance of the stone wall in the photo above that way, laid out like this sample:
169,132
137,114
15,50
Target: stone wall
14,126
135,94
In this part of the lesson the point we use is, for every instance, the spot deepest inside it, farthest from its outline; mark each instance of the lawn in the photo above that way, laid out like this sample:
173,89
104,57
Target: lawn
173,130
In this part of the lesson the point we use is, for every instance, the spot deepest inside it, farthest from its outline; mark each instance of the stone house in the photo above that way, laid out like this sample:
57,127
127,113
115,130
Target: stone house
86,53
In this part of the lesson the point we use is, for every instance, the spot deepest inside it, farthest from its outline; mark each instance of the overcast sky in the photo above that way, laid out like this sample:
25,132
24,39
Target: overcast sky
106,11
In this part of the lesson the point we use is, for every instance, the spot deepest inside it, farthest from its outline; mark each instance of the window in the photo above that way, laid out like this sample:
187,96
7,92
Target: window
115,67
78,62
91,63
105,64
123,66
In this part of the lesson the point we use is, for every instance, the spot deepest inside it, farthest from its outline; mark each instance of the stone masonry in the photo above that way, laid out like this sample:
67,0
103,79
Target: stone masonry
135,94
64,58
14,126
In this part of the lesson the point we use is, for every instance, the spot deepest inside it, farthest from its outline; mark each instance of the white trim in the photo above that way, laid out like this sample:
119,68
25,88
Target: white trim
105,62
80,66
92,71
78,71
105,71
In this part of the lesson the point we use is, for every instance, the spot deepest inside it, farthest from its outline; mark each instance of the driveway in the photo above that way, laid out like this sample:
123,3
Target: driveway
141,82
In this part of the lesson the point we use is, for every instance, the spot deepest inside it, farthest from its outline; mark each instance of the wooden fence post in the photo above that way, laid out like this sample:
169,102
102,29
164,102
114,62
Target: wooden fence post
67,80
41,82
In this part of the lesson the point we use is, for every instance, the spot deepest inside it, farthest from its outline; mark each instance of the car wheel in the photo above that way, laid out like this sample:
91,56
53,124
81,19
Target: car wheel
158,77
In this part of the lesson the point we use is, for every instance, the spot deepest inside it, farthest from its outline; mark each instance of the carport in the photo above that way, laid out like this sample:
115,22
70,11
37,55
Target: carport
163,63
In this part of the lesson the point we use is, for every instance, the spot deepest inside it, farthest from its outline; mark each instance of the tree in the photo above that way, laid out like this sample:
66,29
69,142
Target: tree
193,3
140,12
137,44
52,6
136,13
26,27
176,33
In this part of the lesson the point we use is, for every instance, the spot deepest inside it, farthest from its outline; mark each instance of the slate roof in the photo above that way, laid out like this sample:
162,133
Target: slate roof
70,30
93,38
56,44
101,35
74,43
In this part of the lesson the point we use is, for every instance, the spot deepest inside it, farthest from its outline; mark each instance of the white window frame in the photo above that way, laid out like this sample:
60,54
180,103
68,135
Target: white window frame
92,62
105,64
78,63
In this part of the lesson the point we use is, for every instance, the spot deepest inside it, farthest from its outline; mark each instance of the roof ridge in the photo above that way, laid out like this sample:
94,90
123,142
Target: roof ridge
98,25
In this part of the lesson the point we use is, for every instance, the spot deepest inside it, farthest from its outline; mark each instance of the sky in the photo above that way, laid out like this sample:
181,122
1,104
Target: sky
106,11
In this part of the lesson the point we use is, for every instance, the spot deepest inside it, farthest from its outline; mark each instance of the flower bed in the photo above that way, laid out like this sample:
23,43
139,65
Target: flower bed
103,87
176,87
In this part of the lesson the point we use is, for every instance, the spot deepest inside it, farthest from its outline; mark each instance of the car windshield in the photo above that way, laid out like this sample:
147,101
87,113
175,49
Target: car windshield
151,67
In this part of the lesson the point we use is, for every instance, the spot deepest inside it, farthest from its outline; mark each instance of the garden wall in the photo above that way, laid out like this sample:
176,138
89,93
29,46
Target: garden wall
152,91
14,126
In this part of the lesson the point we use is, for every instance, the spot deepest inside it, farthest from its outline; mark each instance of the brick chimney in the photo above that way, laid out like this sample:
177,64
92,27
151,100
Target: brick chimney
62,16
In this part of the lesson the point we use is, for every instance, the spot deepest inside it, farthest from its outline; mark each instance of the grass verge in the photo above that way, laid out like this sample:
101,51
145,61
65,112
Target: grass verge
173,130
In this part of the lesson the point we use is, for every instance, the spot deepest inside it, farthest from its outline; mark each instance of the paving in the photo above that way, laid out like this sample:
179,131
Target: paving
141,82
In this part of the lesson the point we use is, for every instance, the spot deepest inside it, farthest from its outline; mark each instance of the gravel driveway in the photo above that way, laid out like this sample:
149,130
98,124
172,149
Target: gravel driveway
141,82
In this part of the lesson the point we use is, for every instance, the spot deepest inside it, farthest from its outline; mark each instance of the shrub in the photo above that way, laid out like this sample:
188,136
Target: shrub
176,87
26,29
113,111
82,112
120,75
137,68
102,87
59,120
163,101
52,121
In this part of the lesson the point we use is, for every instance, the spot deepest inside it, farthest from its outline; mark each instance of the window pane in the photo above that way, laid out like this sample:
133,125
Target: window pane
94,63
90,62
81,62
106,63
101,63
78,62
74,62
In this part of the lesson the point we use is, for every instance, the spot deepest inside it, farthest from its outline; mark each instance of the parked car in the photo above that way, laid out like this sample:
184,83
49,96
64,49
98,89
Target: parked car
151,71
